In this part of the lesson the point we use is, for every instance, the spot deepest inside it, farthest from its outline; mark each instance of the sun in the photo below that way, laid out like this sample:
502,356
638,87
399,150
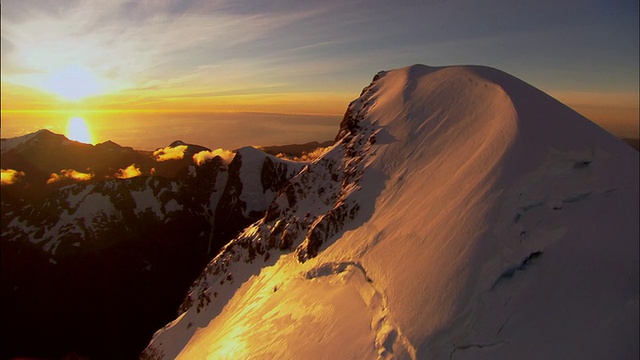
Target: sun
78,130
73,83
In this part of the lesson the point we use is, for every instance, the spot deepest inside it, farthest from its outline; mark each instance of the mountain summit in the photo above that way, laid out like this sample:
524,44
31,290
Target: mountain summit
462,214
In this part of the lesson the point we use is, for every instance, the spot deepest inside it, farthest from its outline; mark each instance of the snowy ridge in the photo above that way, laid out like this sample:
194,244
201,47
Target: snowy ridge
463,214
12,143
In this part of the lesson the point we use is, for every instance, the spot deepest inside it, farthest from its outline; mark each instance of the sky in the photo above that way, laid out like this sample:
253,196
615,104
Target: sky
303,58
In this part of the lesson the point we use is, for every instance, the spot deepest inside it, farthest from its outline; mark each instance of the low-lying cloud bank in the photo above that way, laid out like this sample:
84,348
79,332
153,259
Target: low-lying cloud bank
10,176
128,172
170,153
69,174
310,156
202,156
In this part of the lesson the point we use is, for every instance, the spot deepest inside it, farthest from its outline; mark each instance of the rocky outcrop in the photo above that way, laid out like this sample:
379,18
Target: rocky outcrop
234,212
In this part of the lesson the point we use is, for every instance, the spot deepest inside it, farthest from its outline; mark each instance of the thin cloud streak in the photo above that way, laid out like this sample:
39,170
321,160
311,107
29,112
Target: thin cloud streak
147,50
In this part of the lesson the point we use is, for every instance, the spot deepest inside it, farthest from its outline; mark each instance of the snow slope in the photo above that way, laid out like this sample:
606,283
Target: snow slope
12,143
463,214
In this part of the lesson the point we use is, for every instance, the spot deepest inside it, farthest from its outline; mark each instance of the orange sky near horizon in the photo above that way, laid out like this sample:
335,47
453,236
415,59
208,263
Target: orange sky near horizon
23,98
616,112
304,58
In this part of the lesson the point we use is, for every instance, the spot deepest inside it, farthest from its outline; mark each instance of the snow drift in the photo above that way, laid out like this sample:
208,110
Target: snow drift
462,214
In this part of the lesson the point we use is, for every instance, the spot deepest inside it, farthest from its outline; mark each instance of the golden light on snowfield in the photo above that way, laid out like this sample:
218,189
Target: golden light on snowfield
78,130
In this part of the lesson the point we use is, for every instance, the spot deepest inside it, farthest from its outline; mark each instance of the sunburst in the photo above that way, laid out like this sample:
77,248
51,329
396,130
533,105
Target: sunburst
73,83
78,130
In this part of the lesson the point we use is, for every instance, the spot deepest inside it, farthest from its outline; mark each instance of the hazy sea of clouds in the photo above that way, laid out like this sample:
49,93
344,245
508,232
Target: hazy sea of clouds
151,130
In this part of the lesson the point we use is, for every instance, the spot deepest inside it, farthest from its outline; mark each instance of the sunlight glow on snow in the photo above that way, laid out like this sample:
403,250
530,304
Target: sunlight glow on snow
233,346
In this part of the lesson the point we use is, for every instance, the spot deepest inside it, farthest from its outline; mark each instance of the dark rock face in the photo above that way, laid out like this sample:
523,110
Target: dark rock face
100,303
99,285
273,175
232,214
350,122
229,217
95,267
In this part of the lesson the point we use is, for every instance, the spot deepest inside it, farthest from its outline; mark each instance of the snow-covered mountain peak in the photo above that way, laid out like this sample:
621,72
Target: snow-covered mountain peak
462,213
421,102
12,143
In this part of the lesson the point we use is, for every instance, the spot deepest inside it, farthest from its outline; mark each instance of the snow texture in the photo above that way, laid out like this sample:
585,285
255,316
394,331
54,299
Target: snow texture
462,214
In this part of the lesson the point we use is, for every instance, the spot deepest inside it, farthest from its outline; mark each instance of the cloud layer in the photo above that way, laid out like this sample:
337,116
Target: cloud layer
170,153
10,176
128,172
69,174
310,156
201,157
